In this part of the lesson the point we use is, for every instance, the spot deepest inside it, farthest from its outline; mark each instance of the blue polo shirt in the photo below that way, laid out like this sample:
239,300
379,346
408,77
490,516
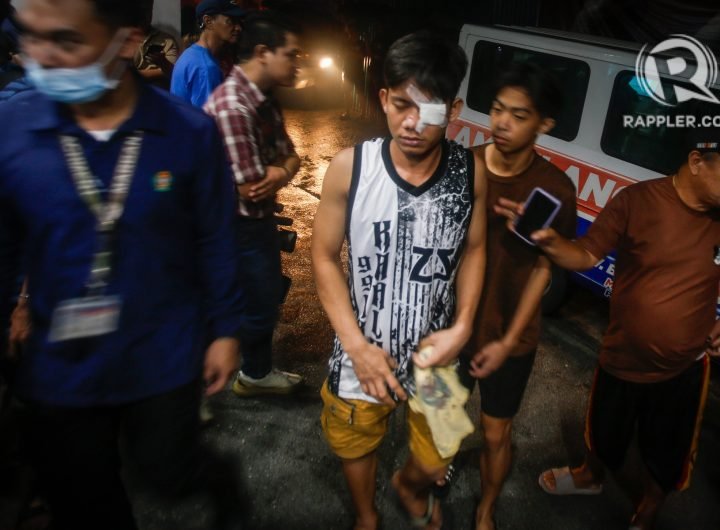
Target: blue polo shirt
175,265
195,75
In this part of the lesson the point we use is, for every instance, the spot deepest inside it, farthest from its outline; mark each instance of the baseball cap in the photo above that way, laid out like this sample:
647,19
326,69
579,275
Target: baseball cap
704,139
230,8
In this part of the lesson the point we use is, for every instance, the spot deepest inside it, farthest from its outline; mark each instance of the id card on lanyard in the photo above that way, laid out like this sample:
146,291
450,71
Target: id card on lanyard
96,313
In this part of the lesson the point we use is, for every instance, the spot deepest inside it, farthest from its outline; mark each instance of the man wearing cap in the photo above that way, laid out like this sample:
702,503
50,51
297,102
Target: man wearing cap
653,367
198,71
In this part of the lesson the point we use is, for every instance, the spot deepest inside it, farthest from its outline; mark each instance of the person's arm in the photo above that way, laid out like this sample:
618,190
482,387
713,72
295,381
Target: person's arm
277,175
214,208
20,323
712,343
10,248
242,147
152,74
291,164
199,88
560,250
280,172
372,365
494,354
446,343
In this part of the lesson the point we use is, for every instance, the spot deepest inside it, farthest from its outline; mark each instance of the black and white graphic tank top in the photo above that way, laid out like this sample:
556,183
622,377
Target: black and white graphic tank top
404,245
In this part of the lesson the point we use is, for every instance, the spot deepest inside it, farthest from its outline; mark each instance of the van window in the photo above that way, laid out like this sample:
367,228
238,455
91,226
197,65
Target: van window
659,148
489,60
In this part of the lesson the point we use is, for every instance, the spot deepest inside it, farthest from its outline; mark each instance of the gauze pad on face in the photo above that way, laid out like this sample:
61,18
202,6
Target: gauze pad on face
432,112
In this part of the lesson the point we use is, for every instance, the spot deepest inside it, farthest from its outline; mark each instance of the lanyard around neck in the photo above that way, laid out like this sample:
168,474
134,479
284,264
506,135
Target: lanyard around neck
107,213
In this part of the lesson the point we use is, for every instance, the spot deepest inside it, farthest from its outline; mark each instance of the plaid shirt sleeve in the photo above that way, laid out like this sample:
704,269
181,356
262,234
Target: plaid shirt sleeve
284,143
289,146
238,131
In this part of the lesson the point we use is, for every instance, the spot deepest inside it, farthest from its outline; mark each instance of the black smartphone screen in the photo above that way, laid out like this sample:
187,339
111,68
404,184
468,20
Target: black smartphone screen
537,213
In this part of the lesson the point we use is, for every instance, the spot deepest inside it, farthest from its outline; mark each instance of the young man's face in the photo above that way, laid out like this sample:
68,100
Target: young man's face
514,121
282,64
403,115
226,28
68,34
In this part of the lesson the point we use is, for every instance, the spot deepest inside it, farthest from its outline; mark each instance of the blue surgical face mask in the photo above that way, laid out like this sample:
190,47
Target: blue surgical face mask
78,85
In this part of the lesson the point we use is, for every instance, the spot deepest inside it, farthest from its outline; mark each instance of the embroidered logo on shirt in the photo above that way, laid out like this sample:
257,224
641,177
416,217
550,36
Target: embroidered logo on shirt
716,259
162,181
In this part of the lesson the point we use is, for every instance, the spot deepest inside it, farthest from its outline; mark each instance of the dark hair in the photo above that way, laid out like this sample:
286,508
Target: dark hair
120,13
541,87
436,65
5,49
267,28
10,35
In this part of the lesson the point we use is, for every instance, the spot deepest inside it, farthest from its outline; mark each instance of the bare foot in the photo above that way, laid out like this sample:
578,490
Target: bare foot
417,505
369,523
646,513
486,522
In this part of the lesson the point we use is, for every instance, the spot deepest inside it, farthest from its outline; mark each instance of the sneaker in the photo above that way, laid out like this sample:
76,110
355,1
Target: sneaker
276,382
205,412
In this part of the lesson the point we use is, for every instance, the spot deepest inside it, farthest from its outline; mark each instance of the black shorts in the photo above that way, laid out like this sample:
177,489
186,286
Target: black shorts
502,391
666,415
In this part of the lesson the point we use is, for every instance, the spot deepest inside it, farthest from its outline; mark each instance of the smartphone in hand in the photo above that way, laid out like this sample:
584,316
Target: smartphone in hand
539,212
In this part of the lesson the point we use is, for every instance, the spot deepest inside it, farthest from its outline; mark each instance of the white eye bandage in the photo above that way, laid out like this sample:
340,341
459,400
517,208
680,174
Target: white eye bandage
432,111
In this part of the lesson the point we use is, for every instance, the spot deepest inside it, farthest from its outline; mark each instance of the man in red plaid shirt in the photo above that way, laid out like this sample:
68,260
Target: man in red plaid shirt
263,160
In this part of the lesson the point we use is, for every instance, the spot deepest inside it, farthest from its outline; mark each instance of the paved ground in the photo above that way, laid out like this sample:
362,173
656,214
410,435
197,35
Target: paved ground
289,480
274,472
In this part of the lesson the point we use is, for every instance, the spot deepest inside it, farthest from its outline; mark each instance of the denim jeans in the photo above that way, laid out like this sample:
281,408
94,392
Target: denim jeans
260,277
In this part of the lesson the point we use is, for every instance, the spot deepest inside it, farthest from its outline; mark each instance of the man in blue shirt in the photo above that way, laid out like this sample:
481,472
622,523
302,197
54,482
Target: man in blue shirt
124,204
198,71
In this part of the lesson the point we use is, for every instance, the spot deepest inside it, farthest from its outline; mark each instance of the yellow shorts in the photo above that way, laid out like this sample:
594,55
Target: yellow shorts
355,428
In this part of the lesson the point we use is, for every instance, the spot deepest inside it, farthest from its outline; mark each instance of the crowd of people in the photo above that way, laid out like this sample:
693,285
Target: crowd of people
139,248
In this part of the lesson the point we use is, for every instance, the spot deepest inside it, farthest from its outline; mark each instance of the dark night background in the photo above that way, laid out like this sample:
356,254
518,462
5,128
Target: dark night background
360,31
641,21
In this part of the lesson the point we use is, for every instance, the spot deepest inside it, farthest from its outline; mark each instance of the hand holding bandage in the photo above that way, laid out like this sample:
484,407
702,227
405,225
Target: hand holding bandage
440,397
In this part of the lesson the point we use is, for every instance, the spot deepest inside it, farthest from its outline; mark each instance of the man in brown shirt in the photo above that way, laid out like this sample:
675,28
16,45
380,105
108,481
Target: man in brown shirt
507,324
653,368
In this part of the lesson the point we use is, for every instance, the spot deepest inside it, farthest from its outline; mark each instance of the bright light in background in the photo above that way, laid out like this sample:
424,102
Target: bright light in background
326,62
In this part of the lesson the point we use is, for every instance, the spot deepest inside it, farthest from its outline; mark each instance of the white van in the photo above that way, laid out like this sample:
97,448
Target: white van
590,141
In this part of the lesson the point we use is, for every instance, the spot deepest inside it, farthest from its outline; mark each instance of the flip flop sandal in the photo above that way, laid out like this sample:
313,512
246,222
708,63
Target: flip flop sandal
564,484
423,520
